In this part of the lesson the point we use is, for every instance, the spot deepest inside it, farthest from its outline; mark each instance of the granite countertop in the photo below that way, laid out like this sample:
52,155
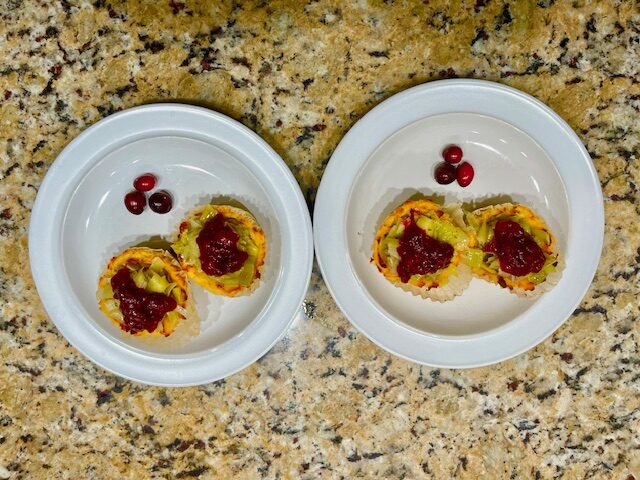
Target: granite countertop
325,402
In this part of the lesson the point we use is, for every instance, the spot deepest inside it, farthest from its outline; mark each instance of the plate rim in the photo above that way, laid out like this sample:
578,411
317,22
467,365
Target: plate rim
292,206
325,240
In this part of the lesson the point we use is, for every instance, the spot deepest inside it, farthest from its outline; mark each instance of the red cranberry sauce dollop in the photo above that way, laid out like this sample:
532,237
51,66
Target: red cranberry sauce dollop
517,251
419,253
141,310
219,252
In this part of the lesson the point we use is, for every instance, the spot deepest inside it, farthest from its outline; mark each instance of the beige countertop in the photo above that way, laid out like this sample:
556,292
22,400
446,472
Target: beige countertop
325,402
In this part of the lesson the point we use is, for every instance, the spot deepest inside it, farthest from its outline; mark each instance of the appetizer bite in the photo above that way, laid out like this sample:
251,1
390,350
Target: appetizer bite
145,292
515,249
222,248
419,248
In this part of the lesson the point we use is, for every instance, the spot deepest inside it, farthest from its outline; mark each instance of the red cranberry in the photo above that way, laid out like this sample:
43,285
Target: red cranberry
135,202
445,173
161,201
464,174
452,154
145,182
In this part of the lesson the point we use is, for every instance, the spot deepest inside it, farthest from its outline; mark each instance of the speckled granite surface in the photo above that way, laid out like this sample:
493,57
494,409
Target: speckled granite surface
325,402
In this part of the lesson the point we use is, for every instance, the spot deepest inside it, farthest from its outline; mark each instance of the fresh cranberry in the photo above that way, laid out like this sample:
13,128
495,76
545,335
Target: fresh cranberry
452,154
145,182
464,174
161,201
135,202
445,173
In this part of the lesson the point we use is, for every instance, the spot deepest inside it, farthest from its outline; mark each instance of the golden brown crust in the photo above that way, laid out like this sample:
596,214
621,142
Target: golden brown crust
142,256
518,285
449,282
211,283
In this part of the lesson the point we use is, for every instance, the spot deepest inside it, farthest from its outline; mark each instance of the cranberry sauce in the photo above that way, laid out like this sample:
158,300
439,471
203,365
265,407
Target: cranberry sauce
141,310
219,252
517,251
421,254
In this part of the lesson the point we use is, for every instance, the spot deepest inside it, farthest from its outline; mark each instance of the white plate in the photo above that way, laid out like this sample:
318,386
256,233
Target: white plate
522,151
79,222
